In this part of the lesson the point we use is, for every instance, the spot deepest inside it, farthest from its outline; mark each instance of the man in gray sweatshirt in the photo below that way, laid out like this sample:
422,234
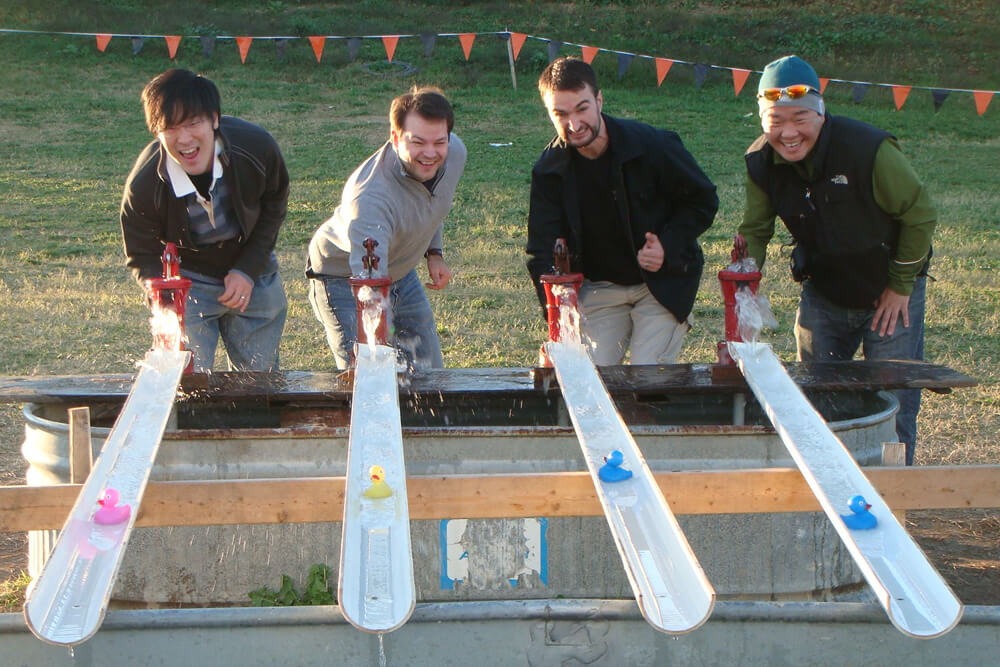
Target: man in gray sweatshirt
399,197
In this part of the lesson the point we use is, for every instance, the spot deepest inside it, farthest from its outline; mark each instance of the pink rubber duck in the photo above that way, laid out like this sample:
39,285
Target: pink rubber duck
111,513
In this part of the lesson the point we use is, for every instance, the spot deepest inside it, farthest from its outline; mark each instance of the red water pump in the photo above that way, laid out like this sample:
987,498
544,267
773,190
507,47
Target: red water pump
740,273
379,283
169,293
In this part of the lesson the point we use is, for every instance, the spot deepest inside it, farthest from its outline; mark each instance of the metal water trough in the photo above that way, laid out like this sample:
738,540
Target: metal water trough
469,422
532,633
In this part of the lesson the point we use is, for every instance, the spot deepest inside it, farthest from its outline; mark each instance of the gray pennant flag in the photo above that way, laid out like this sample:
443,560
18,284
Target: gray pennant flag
428,39
281,47
858,92
624,60
353,46
700,74
137,44
554,47
939,97
207,45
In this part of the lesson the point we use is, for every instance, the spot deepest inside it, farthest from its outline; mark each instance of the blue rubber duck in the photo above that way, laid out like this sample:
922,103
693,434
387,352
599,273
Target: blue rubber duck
612,471
859,518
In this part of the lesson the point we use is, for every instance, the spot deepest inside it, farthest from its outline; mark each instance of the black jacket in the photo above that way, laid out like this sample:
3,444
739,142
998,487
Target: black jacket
660,188
847,241
151,215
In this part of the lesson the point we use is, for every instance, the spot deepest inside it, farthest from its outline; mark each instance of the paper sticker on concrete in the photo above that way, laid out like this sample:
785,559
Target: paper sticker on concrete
485,553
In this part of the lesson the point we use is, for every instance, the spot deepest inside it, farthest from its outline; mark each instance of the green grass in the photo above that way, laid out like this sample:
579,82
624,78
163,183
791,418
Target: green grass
71,125
12,592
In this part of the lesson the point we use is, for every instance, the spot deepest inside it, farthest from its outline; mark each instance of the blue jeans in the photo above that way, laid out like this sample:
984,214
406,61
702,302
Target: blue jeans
825,331
251,338
412,331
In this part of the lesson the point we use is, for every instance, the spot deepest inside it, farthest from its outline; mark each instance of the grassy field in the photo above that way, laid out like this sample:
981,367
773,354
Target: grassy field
71,125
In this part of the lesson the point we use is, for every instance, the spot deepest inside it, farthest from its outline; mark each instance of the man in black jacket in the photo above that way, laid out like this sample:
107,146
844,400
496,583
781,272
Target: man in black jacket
217,187
631,202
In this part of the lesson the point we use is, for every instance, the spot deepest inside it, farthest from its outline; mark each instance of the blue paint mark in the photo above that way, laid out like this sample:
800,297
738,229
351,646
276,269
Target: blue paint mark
447,583
543,555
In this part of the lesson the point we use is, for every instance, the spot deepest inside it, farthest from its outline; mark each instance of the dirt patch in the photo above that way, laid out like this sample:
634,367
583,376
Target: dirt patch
13,554
964,545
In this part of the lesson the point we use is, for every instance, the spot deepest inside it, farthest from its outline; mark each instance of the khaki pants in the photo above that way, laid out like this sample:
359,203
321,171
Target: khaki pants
617,318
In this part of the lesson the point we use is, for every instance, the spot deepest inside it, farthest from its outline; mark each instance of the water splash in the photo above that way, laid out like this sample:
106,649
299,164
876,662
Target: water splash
374,308
166,328
569,314
748,316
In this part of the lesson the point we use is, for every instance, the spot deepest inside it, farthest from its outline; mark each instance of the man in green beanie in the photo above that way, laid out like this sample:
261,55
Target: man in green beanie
861,221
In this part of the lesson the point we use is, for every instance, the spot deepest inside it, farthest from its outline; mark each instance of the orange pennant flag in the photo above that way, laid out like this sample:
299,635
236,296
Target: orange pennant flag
663,66
983,99
739,79
467,38
318,42
244,44
173,41
823,83
517,41
102,42
390,41
589,53
899,94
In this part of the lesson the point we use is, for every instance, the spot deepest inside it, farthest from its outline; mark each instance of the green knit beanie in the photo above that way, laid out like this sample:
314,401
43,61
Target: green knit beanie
790,71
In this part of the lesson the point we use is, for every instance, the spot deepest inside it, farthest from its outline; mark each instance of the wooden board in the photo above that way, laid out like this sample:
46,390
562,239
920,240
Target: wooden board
332,388
319,499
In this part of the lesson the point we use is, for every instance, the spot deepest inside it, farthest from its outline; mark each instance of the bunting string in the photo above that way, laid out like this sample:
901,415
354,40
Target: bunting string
624,59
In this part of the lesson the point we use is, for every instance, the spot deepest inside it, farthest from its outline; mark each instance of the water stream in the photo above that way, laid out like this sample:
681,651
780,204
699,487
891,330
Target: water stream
373,311
166,328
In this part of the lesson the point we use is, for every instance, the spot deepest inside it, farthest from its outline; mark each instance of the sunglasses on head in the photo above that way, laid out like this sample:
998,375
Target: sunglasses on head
791,92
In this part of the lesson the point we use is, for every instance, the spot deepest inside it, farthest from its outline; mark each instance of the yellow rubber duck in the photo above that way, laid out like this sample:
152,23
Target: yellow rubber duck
378,489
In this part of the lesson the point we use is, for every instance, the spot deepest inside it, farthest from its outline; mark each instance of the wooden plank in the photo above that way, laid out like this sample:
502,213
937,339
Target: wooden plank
320,499
81,451
443,384
894,454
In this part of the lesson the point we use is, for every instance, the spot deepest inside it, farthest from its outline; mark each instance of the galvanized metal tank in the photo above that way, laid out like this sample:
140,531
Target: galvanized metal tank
769,556
596,633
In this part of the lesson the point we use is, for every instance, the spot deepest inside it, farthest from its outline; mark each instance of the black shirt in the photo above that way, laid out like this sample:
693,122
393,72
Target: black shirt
608,252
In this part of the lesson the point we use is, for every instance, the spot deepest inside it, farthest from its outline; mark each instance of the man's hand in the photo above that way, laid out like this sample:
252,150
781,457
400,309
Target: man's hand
439,272
237,292
888,309
650,255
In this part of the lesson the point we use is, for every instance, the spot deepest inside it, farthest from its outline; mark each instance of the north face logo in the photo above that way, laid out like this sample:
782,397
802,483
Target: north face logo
839,179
